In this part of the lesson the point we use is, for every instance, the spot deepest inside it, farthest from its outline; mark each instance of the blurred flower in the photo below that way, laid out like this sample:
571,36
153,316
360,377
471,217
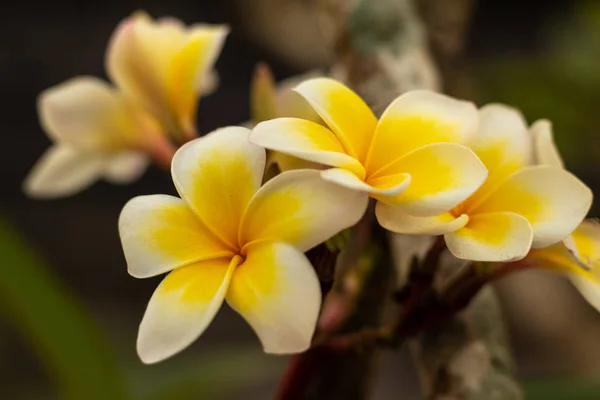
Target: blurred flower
227,238
97,133
403,159
520,205
268,101
165,67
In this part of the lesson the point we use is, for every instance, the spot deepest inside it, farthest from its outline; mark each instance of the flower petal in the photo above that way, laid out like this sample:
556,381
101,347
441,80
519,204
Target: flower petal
416,119
546,152
503,143
498,237
63,171
442,176
160,233
306,140
277,291
182,307
88,114
163,65
343,111
125,167
217,175
394,219
300,208
553,200
587,244
387,186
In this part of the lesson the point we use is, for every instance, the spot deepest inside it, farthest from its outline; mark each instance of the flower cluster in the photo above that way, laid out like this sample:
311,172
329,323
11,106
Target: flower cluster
495,188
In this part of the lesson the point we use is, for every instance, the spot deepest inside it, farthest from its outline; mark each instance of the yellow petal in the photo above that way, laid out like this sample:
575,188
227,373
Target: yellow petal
416,119
263,101
277,291
63,171
300,208
442,176
546,152
587,243
162,65
217,175
497,237
394,219
160,233
553,200
306,140
182,307
88,114
379,188
343,111
503,144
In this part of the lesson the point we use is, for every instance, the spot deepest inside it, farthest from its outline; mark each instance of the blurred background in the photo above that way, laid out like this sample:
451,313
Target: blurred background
69,311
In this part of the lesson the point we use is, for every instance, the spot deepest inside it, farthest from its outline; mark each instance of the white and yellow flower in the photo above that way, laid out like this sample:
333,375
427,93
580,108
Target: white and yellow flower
97,133
228,238
407,158
165,67
520,206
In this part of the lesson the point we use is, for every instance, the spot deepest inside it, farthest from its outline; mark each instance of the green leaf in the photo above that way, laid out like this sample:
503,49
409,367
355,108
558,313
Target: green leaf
57,328
562,389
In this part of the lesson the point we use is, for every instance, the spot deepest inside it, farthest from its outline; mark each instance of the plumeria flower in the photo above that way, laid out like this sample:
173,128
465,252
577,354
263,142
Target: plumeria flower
228,238
165,67
406,159
520,206
97,133
269,101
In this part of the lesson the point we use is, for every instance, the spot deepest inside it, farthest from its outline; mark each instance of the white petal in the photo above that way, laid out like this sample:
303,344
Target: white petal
546,152
182,307
499,237
160,233
277,291
63,171
391,186
394,218
125,167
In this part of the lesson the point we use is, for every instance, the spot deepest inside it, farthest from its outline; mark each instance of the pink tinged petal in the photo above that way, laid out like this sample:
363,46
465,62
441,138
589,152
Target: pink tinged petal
217,175
160,233
442,176
546,152
343,111
394,219
63,171
381,188
494,237
306,140
300,208
182,307
125,167
553,200
416,119
277,291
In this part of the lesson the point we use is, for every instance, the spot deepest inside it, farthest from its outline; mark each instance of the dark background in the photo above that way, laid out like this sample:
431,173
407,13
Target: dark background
46,43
